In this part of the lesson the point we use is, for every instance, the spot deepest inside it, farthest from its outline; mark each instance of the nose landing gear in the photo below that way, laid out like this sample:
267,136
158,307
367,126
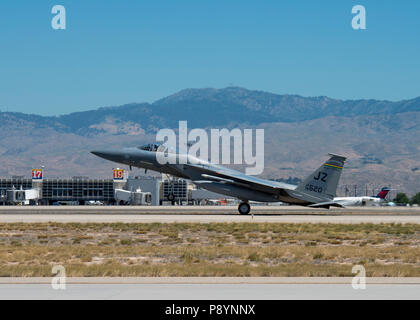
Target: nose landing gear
171,197
244,208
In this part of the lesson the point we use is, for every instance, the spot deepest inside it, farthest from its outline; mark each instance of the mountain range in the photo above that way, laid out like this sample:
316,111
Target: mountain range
380,138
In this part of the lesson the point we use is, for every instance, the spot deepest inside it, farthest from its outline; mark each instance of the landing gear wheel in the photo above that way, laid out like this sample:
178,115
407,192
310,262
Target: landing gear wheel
244,208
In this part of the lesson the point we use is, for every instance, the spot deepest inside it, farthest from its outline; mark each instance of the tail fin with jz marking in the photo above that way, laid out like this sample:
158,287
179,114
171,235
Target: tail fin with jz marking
324,181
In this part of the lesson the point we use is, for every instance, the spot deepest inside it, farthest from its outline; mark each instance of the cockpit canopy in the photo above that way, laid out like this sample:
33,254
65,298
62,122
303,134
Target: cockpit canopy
159,147
154,147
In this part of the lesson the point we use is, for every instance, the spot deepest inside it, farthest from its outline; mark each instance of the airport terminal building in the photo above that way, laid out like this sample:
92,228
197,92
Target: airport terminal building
78,190
50,191
120,190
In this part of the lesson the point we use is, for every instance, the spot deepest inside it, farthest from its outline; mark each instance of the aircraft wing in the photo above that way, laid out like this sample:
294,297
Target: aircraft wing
319,188
203,174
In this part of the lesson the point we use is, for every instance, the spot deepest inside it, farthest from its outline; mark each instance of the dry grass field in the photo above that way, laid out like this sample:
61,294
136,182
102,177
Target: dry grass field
221,249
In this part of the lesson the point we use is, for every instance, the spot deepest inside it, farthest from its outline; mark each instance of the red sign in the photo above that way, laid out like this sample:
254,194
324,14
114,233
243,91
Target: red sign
119,174
37,174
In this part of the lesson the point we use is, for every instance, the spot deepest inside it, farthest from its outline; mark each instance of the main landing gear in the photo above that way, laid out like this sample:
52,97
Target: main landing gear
244,208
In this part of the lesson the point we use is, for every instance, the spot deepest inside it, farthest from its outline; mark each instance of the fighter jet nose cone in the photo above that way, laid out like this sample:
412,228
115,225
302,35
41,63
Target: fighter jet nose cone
108,155
119,156
98,153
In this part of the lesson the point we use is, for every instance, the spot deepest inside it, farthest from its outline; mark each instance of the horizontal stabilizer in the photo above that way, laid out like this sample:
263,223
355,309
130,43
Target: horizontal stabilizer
326,205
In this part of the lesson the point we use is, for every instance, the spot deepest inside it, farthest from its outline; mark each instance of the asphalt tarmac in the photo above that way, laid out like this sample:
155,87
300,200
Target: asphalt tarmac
207,214
210,292
206,210
210,289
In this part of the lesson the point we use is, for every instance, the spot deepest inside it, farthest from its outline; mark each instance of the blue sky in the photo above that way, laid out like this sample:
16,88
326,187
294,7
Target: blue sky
117,52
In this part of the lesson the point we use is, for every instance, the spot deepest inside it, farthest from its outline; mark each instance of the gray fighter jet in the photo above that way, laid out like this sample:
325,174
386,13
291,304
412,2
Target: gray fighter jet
317,191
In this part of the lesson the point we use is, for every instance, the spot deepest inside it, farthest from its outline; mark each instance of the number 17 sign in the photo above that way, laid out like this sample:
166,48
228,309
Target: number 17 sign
37,174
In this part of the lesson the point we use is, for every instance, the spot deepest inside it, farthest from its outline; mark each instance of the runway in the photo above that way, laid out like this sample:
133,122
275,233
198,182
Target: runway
206,214
211,289
206,210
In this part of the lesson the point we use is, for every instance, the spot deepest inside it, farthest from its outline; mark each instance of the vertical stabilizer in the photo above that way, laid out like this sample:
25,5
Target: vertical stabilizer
324,181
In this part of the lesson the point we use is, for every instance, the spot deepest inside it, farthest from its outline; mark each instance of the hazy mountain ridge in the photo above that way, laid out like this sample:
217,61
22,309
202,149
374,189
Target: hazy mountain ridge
380,138
214,107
